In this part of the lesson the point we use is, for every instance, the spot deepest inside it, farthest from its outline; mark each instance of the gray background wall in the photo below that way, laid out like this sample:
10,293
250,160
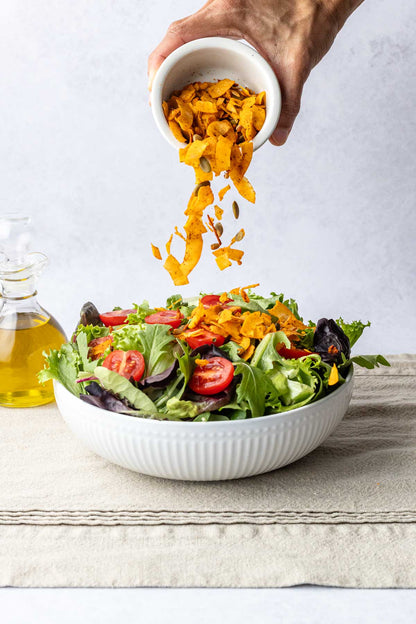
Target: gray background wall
334,224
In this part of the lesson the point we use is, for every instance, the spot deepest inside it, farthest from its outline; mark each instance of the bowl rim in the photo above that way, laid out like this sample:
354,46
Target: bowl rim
214,423
274,93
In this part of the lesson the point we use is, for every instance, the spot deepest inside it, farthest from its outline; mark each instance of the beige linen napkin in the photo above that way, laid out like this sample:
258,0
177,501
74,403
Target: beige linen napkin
343,515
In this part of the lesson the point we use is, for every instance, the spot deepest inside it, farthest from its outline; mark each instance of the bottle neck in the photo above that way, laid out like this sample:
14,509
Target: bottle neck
19,290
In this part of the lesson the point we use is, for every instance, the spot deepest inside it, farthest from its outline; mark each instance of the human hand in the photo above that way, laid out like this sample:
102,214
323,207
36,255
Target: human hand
292,35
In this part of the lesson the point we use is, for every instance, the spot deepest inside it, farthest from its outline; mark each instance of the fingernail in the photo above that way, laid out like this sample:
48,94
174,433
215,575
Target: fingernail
279,136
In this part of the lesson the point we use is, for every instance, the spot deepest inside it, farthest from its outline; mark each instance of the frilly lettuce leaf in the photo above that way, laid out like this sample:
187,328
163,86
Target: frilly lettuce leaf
353,330
64,366
155,343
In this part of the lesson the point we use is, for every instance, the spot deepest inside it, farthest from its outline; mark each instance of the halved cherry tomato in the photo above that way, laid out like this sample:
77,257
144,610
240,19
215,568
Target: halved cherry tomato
165,317
292,353
212,377
116,317
97,346
126,363
197,338
211,300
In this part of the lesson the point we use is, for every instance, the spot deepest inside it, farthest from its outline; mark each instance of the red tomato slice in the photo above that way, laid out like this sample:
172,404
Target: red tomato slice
197,338
126,363
165,317
116,317
212,377
292,353
211,300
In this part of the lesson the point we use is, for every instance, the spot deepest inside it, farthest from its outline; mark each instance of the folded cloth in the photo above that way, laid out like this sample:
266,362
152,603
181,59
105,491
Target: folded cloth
343,515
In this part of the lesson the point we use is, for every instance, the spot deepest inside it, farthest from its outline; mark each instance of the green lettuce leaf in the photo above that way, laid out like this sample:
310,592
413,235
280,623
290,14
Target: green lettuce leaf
176,302
155,343
177,387
82,344
265,356
64,366
367,361
208,417
255,386
352,330
119,385
142,310
232,349
157,348
92,331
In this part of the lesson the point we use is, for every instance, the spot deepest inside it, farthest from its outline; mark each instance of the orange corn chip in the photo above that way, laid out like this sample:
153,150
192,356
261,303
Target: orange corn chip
219,88
168,244
173,267
206,107
249,102
259,115
188,93
156,252
225,255
186,116
218,212
223,154
176,131
223,191
245,189
191,154
261,98
246,120
221,128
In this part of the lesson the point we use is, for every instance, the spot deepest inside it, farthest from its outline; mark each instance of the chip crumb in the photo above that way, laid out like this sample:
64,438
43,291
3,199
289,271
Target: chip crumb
156,252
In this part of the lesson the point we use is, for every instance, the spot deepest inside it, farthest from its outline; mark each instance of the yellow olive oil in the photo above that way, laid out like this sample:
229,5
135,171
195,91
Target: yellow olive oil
22,341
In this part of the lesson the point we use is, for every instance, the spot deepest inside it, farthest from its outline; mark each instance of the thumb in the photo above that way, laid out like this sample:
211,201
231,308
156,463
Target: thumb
207,22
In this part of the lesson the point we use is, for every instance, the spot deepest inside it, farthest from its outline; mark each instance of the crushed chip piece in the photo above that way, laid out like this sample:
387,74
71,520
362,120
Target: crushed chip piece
176,131
219,88
218,212
156,252
223,191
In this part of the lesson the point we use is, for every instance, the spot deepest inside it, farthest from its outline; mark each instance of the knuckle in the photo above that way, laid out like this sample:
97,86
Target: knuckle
177,27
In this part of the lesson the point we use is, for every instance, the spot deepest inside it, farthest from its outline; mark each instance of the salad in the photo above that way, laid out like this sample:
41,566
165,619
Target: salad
227,356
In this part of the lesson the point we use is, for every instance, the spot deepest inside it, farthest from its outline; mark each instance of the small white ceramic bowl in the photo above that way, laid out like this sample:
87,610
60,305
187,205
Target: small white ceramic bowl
211,59
209,451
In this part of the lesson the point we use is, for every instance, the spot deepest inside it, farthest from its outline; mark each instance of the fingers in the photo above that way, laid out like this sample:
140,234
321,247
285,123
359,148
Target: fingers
207,22
291,78
289,112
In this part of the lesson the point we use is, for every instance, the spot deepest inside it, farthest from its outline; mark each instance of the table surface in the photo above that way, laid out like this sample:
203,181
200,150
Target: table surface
296,605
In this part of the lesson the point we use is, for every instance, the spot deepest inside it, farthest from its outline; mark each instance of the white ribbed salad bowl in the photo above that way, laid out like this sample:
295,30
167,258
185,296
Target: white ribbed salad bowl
205,451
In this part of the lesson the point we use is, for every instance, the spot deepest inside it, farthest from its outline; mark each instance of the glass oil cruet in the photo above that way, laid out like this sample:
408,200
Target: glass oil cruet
26,329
